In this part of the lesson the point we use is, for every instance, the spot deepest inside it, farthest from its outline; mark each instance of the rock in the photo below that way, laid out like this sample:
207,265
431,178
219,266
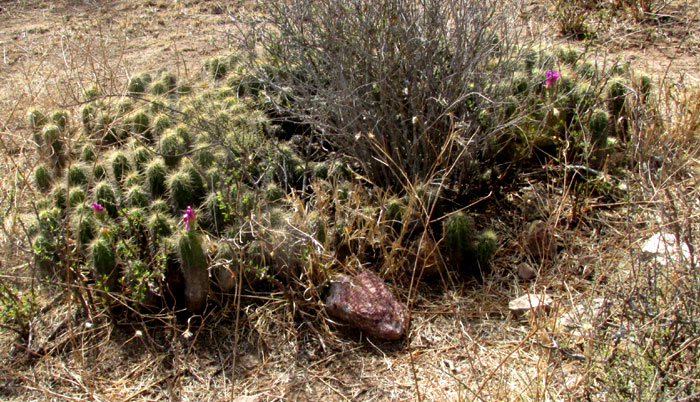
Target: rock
526,272
530,302
364,302
664,248
538,240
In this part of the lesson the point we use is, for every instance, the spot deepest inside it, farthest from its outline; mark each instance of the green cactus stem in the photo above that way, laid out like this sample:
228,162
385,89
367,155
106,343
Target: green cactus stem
104,262
155,174
141,125
76,196
84,227
180,190
136,197
160,225
459,242
598,126
78,175
106,195
617,91
140,157
36,119
485,247
44,255
172,147
42,177
194,265
120,165
60,119
160,124
136,86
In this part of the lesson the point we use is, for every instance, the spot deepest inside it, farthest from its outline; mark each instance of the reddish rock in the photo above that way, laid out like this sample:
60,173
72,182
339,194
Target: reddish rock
364,302
526,272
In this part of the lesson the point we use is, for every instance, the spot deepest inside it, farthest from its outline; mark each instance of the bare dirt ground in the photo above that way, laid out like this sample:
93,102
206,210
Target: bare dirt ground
463,341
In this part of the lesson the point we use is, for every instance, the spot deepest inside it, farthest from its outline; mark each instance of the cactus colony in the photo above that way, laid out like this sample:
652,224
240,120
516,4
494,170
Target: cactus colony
138,166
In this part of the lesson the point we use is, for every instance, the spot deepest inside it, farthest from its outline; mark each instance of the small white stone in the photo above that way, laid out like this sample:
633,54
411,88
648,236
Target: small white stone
664,246
529,302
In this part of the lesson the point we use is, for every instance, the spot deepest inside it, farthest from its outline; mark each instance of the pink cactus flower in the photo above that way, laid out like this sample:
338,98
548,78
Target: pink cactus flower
97,207
188,217
552,77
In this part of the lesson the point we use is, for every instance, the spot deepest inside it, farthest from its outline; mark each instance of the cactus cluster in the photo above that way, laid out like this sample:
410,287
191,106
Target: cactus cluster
150,190
138,166
560,97
468,251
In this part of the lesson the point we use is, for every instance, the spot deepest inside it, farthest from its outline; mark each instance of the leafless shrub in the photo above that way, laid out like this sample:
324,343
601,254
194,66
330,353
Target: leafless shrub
387,82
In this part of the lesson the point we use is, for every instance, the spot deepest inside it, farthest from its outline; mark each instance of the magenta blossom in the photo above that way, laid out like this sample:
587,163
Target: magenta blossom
552,77
97,207
188,217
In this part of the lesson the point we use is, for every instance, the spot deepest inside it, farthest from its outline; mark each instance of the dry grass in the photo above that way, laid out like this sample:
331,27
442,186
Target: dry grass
463,342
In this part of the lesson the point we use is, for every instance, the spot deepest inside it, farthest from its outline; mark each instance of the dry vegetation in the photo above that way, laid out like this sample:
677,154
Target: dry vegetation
623,325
